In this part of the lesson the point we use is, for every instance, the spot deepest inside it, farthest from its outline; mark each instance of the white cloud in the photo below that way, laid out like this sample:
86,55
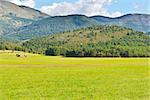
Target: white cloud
86,7
29,3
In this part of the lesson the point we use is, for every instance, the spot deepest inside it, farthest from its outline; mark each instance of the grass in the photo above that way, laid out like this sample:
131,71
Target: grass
39,77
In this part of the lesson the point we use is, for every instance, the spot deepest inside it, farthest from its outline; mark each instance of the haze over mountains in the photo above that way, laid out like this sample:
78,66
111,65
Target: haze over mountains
20,22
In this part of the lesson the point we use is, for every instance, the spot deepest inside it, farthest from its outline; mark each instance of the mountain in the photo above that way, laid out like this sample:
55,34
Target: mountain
139,22
22,23
53,25
7,8
9,24
13,16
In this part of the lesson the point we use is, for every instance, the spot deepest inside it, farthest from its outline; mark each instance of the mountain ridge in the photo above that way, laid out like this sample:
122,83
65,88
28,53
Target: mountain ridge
139,22
23,22
57,24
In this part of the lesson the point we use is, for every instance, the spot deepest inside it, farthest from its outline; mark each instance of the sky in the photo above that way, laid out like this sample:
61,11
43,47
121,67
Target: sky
110,8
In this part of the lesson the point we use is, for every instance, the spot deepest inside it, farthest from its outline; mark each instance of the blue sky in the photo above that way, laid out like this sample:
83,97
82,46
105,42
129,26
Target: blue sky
131,6
111,8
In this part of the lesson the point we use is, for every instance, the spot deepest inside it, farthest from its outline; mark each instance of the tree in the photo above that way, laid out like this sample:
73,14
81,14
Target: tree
49,52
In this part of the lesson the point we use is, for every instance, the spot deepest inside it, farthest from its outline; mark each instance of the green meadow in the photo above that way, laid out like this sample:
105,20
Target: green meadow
38,77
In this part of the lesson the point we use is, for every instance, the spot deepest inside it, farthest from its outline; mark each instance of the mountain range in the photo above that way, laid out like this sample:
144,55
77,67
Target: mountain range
22,23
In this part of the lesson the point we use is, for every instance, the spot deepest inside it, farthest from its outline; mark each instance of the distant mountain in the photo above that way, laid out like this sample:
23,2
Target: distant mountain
9,24
7,8
53,25
21,22
139,22
13,16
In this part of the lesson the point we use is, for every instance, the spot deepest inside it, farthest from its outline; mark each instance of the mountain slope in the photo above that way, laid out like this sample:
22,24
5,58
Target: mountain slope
139,22
21,22
53,25
7,8
13,16
9,24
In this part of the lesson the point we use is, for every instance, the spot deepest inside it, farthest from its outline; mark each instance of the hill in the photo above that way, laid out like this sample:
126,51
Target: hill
98,41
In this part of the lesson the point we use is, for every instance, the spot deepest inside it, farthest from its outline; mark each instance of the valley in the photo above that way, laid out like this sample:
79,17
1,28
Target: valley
80,55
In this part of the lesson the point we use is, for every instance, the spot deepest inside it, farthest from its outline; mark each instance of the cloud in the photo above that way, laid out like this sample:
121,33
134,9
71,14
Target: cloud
29,3
86,7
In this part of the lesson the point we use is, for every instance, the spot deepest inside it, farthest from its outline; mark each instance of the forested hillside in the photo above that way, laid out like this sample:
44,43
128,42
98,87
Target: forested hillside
98,41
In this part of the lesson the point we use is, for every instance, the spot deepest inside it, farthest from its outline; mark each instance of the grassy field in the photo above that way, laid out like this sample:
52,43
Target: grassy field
37,77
